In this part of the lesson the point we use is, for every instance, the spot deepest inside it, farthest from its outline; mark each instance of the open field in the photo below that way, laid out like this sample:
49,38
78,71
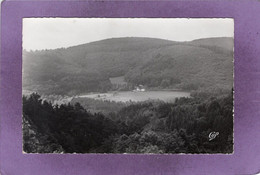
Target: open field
124,96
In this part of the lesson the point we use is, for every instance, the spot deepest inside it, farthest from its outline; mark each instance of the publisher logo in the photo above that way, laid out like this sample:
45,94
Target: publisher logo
213,135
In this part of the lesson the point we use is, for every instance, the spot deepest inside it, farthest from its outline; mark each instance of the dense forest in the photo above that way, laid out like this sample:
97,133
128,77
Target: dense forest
154,63
143,127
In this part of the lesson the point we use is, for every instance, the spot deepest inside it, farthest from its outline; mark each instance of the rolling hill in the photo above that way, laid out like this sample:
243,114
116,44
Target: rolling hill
155,63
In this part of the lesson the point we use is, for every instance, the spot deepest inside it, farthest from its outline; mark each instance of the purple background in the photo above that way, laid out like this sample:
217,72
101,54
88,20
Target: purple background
246,157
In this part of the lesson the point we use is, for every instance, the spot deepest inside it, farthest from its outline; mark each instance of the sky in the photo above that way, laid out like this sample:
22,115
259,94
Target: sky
52,33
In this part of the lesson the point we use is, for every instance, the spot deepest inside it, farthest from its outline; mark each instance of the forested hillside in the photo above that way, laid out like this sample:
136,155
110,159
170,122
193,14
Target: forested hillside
155,63
144,127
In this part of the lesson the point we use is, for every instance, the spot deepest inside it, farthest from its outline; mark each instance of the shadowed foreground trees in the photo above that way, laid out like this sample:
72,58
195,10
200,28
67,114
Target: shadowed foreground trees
146,127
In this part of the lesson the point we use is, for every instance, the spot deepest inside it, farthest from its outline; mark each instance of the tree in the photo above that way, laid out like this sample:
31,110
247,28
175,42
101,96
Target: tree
165,83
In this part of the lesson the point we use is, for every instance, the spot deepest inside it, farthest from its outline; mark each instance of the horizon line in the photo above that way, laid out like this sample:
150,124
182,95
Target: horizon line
37,50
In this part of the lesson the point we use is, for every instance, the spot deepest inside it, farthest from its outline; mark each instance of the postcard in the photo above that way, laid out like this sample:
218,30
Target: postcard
129,87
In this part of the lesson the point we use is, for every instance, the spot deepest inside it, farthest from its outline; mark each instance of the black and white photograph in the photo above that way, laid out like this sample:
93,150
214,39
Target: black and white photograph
128,85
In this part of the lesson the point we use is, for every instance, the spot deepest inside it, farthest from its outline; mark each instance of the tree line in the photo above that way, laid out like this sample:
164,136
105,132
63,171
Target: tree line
143,127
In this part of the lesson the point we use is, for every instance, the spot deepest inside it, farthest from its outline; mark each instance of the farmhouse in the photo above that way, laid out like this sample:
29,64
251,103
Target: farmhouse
139,88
